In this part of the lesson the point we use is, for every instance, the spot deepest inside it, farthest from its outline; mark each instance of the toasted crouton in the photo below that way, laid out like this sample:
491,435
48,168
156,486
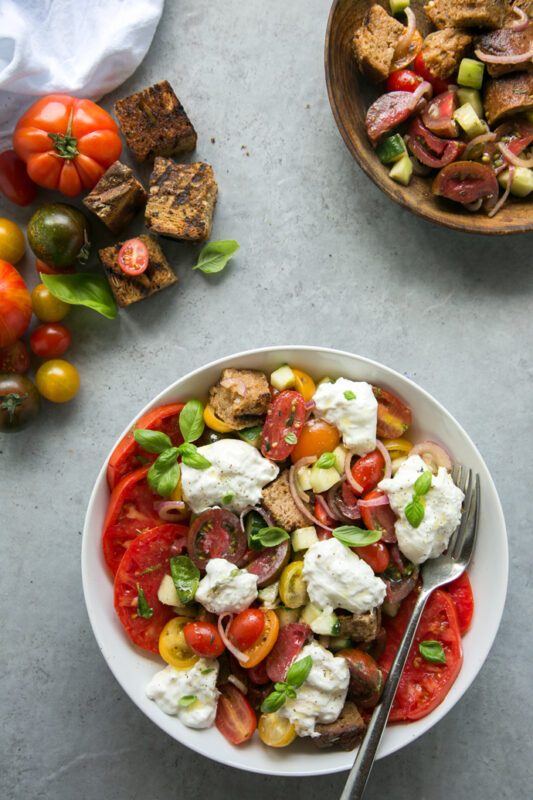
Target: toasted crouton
278,500
154,123
130,289
240,398
182,200
374,43
443,51
345,732
360,627
467,13
116,197
505,97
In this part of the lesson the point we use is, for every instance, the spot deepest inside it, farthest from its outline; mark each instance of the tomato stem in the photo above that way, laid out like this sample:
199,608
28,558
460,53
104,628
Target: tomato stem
65,143
9,403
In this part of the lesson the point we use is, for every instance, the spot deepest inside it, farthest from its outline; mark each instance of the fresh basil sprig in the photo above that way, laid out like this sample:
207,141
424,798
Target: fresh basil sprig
414,510
432,651
83,289
143,609
191,421
153,441
191,457
326,461
164,473
186,577
296,676
270,537
352,536
215,255
253,523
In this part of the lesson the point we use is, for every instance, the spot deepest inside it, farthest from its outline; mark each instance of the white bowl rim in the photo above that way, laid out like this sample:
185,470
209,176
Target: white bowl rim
499,590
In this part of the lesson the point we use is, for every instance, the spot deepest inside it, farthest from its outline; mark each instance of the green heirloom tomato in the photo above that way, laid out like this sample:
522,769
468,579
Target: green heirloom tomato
59,234
19,402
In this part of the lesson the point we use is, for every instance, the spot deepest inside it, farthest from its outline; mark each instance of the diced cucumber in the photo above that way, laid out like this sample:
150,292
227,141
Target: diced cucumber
471,73
251,435
309,613
402,170
303,476
327,623
287,615
283,378
323,479
398,5
522,184
472,96
337,643
469,121
340,456
303,538
391,149
269,595
391,609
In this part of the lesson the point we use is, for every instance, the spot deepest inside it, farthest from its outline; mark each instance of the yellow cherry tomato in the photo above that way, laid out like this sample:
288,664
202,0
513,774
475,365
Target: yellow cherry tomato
275,731
172,645
398,447
213,422
12,244
304,384
292,587
47,307
177,492
57,380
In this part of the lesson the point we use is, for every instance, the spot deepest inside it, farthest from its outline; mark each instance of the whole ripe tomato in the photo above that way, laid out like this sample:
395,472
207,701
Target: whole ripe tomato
67,143
40,266
57,380
59,235
50,340
15,305
19,402
46,306
12,244
15,358
15,183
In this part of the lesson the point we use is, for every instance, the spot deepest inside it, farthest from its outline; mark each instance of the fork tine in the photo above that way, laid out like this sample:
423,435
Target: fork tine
460,476
471,526
467,527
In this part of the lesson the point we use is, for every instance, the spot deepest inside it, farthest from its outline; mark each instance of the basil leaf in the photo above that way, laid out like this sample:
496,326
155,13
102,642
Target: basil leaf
187,700
191,420
164,474
291,438
326,461
432,651
423,483
186,577
352,536
195,460
253,523
83,289
143,609
228,498
251,435
150,569
290,692
270,537
299,671
207,670
414,512
273,702
280,686
153,441
215,255
349,395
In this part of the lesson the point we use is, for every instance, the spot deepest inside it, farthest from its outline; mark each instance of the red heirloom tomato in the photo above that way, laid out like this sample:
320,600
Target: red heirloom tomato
15,305
283,425
204,639
67,143
235,717
15,358
465,182
291,639
15,183
50,340
216,533
460,591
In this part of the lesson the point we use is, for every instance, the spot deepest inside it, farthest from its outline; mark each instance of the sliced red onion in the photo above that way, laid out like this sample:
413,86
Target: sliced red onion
472,144
310,405
521,22
509,59
170,510
505,195
348,472
433,454
396,557
235,383
418,167
242,657
405,39
425,89
238,683
512,158
386,455
302,462
374,502
475,206
298,502
331,512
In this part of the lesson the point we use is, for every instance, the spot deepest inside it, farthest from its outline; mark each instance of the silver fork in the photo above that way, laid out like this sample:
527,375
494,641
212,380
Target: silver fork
435,572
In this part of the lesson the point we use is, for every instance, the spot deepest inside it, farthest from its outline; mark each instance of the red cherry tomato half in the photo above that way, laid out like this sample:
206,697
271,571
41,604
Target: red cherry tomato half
204,639
133,257
376,556
15,182
50,340
216,533
283,425
235,717
15,358
403,80
40,266
269,563
368,470
379,518
246,628
258,674
438,84
460,591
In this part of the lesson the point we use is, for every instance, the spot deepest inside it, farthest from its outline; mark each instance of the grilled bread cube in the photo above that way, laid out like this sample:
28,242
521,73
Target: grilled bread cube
182,200
241,397
278,500
154,123
467,13
116,197
359,627
444,49
505,97
375,41
345,732
130,289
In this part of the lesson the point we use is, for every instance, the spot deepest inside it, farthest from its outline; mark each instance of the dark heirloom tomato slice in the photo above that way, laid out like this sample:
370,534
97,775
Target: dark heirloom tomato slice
129,513
368,470
438,115
129,456
465,182
235,717
423,685
145,563
460,591
283,425
366,679
431,150
269,563
394,417
216,533
291,639
379,518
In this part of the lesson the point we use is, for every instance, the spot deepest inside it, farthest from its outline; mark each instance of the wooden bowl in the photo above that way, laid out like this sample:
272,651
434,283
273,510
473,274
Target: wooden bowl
350,95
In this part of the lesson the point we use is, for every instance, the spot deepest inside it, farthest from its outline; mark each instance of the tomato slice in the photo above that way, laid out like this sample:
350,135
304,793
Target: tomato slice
283,425
235,717
368,470
291,639
465,182
262,647
460,590
269,563
438,115
130,512
431,150
379,518
423,685
133,257
216,533
394,417
129,456
403,80
246,628
144,564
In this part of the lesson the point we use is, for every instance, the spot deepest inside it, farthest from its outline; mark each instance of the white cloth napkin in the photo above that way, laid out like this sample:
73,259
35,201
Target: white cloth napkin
80,47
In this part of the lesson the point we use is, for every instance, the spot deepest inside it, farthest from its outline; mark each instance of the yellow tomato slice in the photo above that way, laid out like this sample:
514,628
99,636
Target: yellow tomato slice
172,645
304,384
260,649
397,447
292,587
213,422
275,731
177,492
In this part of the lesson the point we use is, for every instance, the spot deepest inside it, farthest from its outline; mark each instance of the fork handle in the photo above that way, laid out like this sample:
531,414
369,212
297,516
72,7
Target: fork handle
358,777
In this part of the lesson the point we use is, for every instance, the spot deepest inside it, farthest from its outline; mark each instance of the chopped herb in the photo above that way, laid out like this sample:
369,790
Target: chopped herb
187,700
349,395
291,438
207,670
326,461
150,569
432,651
228,498
143,609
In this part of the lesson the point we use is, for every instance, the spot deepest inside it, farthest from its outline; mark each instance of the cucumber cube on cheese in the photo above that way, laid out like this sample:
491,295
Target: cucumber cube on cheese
283,378
402,170
469,121
303,538
471,73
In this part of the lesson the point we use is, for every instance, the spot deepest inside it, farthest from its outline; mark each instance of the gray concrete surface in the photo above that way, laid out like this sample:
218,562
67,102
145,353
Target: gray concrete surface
325,259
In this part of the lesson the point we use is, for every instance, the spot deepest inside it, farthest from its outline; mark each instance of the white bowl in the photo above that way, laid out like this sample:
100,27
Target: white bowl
133,667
